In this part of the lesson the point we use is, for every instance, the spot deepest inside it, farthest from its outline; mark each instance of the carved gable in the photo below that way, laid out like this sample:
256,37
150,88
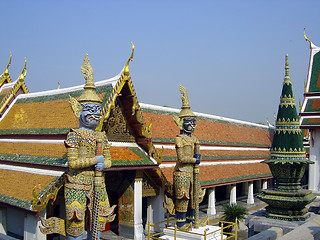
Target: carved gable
117,127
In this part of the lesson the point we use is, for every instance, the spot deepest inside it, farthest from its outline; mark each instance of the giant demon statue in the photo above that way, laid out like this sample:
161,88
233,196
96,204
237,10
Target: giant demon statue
88,154
187,192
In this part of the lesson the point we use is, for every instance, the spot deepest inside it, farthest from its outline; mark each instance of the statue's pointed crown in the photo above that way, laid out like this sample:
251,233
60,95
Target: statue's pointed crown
185,109
89,95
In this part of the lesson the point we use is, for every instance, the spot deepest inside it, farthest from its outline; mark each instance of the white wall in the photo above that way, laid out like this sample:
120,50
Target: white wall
314,181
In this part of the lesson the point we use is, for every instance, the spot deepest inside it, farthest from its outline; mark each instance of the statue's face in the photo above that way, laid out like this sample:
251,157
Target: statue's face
90,115
189,124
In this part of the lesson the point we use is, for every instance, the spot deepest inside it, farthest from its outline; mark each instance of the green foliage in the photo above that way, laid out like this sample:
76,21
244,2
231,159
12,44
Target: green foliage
233,212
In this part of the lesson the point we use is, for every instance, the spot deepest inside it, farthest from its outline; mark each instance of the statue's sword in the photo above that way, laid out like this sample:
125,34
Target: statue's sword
97,192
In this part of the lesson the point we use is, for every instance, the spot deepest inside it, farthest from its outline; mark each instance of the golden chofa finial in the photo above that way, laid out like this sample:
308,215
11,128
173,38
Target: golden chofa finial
126,67
307,39
7,68
24,70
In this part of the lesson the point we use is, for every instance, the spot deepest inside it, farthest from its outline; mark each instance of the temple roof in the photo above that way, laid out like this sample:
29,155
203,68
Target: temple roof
310,109
35,125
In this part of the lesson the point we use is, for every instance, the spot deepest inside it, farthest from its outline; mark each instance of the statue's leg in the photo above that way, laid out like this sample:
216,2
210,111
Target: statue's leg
181,212
75,201
182,186
190,215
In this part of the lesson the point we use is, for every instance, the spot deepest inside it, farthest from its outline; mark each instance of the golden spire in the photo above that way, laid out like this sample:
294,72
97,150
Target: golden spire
307,39
7,68
126,67
89,95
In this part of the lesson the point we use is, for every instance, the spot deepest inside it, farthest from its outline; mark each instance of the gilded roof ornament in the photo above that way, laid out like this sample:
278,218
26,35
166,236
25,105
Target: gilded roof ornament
24,70
307,39
126,67
7,68
89,95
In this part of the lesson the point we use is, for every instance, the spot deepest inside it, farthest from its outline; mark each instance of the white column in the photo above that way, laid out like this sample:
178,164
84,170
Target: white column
31,227
265,184
3,221
137,206
314,169
211,202
250,199
156,211
233,194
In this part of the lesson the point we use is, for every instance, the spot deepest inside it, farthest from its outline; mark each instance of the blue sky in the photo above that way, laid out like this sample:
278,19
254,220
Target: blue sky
228,54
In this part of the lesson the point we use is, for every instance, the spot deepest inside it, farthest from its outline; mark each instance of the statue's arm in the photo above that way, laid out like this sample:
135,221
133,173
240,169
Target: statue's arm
76,161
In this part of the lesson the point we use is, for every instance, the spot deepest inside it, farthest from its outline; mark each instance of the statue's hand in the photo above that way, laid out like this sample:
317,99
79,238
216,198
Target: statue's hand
100,163
197,156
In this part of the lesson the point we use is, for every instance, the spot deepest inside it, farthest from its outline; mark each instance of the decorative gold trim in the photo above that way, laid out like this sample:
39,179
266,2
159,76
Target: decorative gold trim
40,202
15,88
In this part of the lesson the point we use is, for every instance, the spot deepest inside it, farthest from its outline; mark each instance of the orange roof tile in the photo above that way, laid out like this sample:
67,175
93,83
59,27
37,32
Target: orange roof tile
13,186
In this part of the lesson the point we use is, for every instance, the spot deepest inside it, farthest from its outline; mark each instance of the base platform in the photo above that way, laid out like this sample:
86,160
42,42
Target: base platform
257,223
213,233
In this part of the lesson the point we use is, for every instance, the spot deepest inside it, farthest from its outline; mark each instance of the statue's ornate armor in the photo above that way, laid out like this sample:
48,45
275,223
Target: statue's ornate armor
79,189
186,147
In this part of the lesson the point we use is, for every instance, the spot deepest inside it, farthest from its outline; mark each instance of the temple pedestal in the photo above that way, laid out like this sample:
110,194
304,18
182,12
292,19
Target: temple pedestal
289,206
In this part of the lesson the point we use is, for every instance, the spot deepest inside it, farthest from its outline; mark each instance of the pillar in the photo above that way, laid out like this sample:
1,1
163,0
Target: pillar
137,206
211,202
31,227
233,194
264,184
314,179
3,221
250,199
156,211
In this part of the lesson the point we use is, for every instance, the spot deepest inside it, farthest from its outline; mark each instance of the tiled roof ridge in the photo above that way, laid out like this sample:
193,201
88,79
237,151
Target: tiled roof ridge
111,80
211,116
